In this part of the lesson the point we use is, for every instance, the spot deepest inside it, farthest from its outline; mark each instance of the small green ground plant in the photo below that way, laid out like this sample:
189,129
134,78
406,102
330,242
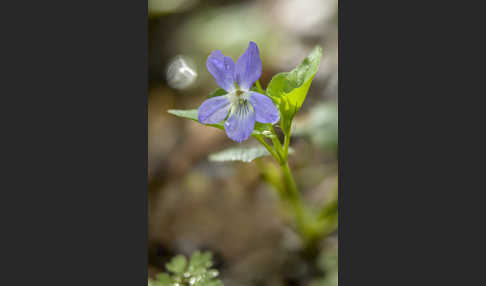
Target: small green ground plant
195,272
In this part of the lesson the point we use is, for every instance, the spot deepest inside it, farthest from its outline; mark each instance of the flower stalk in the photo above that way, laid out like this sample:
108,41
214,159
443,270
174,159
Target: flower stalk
291,195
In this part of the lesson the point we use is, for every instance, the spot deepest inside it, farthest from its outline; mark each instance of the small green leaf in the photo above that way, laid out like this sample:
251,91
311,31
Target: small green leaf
199,263
177,265
239,154
192,115
217,92
161,279
187,113
201,260
260,129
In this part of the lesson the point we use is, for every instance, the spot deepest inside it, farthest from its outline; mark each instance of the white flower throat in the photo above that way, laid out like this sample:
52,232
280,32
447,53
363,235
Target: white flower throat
239,102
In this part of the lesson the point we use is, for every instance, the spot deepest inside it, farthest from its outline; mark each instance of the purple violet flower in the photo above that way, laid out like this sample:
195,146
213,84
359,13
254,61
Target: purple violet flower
241,106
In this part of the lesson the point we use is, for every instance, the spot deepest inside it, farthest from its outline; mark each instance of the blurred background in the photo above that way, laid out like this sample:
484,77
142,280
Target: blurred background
227,208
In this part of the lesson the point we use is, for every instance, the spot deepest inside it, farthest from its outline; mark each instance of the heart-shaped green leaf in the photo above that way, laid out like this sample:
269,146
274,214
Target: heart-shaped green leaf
289,89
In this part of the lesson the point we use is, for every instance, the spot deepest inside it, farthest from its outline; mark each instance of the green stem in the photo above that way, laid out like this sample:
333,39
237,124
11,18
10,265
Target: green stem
269,148
286,144
290,183
291,195
276,143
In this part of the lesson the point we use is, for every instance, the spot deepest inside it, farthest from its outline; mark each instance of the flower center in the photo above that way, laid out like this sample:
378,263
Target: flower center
238,97
239,92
